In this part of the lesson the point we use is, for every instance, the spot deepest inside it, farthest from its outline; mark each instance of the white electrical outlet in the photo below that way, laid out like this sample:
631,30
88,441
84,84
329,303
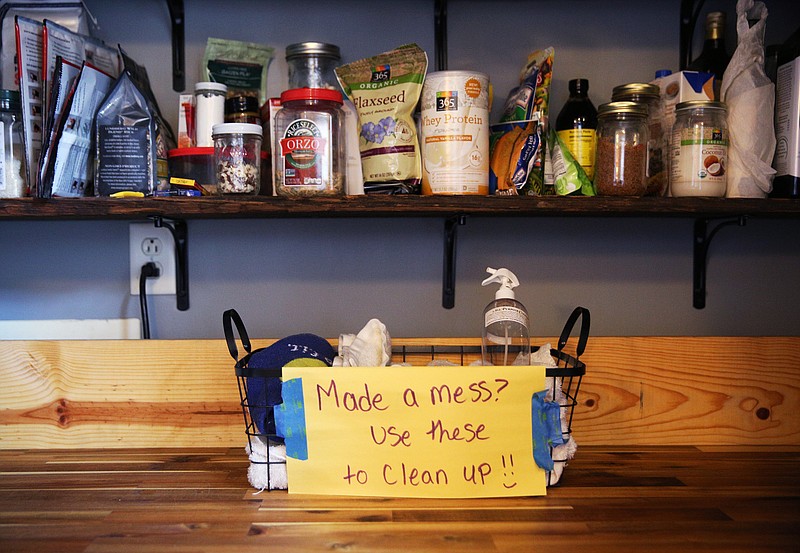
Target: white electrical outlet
151,243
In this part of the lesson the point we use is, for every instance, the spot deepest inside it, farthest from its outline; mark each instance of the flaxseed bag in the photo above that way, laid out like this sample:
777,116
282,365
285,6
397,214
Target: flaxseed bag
385,90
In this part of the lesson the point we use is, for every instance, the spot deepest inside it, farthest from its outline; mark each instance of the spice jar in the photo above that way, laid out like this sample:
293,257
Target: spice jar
13,183
699,152
209,101
621,157
242,109
649,95
308,153
237,157
311,65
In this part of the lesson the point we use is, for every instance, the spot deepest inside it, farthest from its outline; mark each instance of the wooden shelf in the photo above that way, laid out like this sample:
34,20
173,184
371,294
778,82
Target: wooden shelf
392,206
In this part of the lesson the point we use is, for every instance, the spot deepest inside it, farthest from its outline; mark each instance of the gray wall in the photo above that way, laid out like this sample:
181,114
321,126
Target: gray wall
331,275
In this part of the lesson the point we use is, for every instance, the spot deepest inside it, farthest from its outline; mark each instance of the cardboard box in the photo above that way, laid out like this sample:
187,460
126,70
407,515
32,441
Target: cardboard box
683,86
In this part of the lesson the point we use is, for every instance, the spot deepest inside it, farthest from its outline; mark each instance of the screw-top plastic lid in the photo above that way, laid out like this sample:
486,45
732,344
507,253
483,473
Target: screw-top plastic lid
236,128
663,73
320,49
311,94
578,86
209,86
10,100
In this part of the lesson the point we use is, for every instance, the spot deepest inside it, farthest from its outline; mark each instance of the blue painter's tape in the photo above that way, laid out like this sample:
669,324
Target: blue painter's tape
545,429
290,419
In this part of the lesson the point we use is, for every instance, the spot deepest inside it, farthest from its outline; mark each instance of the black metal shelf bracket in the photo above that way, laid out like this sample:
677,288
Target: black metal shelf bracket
702,241
180,234
440,34
178,45
451,225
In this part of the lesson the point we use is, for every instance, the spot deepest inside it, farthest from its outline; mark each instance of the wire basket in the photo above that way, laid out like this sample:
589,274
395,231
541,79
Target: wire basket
257,407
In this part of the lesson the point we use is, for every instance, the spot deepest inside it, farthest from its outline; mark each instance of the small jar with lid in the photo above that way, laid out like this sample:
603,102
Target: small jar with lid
308,153
699,149
649,95
209,101
13,182
237,157
311,65
621,156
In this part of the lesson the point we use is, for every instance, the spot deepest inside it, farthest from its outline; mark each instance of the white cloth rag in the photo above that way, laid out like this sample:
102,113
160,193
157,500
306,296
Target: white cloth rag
371,347
265,476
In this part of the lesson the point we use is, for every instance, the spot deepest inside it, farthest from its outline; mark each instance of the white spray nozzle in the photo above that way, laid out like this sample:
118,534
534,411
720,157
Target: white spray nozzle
505,278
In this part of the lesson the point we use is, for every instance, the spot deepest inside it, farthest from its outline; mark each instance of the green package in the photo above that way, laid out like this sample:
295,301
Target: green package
569,176
241,66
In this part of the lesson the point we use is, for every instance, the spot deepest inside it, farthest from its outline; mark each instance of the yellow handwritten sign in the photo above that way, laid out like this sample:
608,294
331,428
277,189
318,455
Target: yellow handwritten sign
417,431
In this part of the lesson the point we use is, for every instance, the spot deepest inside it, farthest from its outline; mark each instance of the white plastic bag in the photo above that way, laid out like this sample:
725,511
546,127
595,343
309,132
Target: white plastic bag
750,97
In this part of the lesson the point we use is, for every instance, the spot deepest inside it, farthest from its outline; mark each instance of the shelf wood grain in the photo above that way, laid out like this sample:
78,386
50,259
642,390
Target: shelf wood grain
392,206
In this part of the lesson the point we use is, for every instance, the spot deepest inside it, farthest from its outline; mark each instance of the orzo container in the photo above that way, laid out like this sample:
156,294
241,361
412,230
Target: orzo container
455,133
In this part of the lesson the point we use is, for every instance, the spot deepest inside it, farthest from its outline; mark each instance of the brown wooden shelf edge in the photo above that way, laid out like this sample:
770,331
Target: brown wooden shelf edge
392,206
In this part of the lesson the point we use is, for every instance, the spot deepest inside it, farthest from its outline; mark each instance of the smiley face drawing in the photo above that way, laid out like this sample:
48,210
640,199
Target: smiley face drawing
508,471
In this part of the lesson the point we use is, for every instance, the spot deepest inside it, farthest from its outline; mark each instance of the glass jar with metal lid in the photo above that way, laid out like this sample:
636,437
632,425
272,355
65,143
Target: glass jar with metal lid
621,158
311,65
649,95
699,149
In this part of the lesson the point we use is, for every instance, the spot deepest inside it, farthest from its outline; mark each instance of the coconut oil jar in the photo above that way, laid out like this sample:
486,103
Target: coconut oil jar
699,149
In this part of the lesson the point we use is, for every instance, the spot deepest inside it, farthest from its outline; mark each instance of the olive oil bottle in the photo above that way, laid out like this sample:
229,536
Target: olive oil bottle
714,58
576,125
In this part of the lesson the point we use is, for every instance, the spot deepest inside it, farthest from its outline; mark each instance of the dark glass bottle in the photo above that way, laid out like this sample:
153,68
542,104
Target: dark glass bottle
576,125
714,58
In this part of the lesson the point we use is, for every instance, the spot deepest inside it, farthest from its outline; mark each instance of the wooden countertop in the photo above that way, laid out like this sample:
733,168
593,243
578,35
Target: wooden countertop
642,499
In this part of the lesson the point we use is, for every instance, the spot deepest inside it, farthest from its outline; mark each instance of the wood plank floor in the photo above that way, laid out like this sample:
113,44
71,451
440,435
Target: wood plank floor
644,499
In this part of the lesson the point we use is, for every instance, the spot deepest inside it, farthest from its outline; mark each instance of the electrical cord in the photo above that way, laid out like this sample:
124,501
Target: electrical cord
149,270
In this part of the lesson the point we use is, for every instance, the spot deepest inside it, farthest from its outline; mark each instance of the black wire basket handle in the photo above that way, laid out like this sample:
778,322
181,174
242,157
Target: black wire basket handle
583,313
229,319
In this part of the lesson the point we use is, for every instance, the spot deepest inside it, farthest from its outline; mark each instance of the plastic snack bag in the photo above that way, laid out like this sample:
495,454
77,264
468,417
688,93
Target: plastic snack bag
241,66
522,131
750,97
569,176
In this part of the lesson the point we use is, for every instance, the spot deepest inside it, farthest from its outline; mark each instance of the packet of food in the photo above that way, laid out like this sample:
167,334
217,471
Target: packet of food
515,159
526,103
385,90
125,141
569,176
241,66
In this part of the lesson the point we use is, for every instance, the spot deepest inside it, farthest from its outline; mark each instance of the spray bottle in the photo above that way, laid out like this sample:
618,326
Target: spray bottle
505,339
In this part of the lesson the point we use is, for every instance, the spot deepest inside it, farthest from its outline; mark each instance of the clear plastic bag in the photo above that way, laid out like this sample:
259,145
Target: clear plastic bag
750,97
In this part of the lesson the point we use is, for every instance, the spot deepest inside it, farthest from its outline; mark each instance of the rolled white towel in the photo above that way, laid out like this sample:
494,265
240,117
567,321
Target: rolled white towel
265,476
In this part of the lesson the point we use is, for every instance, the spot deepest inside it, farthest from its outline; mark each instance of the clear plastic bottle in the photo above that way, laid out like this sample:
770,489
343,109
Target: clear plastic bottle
506,337
13,183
